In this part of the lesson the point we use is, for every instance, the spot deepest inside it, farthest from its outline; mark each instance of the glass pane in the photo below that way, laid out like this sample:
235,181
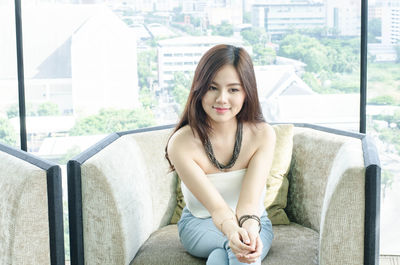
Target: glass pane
306,54
383,112
9,110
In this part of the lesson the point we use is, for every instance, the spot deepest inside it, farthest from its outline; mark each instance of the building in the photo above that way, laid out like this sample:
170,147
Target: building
285,97
382,52
391,23
279,17
344,17
81,57
229,10
183,53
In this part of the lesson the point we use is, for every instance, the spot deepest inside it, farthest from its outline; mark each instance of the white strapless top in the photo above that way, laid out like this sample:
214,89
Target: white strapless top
228,184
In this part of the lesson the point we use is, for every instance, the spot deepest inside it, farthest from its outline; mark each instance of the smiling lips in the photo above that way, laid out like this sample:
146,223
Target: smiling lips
221,110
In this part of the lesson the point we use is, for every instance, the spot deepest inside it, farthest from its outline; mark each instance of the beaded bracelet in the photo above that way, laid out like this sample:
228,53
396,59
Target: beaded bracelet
246,217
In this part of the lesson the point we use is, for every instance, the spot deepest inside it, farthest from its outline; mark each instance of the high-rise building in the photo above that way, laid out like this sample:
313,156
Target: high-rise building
278,17
182,55
344,16
390,22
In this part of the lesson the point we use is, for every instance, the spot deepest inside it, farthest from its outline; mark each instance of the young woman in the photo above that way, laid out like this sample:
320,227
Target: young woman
222,151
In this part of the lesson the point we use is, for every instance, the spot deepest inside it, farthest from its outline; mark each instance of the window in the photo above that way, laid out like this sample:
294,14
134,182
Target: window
86,76
383,114
9,109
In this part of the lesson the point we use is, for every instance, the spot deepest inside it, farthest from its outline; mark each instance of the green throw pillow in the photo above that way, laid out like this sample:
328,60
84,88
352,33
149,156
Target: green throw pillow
277,182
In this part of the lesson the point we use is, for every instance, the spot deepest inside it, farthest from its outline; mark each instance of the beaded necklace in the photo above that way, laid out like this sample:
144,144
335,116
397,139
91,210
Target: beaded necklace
236,149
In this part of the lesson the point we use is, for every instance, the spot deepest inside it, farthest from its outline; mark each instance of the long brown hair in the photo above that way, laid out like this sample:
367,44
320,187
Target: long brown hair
216,57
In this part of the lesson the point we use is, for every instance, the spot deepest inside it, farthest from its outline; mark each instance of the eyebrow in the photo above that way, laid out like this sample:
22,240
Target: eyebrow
230,84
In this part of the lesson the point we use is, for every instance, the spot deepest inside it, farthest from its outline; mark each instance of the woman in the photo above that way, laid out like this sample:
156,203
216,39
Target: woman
222,151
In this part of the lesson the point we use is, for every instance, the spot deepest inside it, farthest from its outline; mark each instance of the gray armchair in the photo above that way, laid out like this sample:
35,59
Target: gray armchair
31,214
121,200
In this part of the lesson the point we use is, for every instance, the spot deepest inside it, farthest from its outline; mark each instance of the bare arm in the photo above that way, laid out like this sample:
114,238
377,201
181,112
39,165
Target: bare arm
257,172
180,151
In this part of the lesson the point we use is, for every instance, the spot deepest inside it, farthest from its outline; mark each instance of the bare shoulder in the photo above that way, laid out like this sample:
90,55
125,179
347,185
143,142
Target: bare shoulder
182,142
263,132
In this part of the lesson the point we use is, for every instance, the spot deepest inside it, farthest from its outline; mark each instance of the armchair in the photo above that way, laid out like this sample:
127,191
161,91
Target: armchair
121,200
31,214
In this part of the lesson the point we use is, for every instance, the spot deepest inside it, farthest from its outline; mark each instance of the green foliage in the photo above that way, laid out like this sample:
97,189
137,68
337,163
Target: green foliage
43,109
383,100
397,48
390,119
257,38
181,88
346,86
7,133
312,81
387,179
13,110
254,36
306,49
190,29
147,67
48,109
71,152
392,136
316,32
223,29
147,98
247,17
263,55
374,30
111,120
330,55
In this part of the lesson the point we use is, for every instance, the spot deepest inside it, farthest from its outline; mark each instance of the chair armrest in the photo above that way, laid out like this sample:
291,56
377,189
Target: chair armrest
31,221
327,192
116,203
342,218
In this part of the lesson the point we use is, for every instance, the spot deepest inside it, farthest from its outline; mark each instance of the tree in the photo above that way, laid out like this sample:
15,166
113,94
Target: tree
112,120
263,55
397,48
374,30
336,56
48,109
254,36
146,97
223,29
306,49
387,180
7,133
147,66
13,110
247,17
181,88
383,100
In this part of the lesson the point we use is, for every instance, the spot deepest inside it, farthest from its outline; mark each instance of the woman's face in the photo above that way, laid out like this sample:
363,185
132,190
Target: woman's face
225,96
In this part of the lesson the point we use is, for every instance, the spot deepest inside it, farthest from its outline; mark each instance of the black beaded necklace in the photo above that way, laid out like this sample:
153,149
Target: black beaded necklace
236,149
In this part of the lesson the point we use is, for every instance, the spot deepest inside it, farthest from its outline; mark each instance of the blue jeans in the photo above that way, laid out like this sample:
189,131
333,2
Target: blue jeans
202,239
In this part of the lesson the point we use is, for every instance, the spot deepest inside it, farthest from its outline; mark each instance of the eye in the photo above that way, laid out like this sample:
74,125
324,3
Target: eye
212,88
234,89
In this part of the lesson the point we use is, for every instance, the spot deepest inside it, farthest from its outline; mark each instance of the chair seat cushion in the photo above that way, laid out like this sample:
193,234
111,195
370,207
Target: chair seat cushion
293,244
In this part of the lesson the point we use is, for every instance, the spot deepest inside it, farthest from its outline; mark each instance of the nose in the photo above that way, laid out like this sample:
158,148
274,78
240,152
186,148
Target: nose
222,96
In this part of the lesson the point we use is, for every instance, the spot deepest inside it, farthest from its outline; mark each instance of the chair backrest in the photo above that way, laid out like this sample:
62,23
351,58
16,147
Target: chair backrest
31,214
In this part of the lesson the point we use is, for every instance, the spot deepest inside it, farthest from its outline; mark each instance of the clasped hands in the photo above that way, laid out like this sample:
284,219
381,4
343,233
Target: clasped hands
245,241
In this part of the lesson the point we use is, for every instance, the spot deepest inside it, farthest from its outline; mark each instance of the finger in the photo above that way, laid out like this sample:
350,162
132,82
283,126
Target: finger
253,240
258,250
245,236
